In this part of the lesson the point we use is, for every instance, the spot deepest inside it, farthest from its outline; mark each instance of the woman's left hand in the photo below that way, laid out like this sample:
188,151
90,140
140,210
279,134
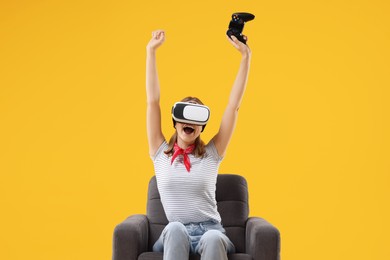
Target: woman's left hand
241,47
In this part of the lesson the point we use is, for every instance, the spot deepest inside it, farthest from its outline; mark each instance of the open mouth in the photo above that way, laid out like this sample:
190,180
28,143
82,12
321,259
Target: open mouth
188,129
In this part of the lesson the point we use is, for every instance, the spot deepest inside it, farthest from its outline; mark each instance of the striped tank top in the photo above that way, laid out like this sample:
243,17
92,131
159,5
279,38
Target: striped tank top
188,196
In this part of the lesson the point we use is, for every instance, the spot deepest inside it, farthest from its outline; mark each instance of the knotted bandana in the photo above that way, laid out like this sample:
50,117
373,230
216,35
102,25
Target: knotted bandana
179,151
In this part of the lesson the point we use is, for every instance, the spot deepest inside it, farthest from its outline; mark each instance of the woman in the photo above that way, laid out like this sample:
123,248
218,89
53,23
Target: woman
186,169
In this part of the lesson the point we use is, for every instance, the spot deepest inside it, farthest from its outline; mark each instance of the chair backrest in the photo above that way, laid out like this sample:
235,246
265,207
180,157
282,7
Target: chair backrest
232,201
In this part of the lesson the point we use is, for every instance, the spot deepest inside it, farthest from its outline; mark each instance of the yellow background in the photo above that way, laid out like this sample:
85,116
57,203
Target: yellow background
312,138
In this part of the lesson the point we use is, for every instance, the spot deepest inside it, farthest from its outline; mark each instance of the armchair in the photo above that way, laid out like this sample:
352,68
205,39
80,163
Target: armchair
254,238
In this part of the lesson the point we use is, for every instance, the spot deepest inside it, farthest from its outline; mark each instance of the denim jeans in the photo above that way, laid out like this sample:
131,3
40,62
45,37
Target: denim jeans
208,239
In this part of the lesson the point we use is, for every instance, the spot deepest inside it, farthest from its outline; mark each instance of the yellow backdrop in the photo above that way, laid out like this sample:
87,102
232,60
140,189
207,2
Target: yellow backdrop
312,138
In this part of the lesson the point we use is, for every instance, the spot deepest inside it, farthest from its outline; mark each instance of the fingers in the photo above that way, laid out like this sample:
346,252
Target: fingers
246,40
242,47
158,34
158,38
234,41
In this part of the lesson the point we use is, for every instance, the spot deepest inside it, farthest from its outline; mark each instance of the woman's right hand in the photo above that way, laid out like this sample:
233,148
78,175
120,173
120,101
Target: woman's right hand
158,38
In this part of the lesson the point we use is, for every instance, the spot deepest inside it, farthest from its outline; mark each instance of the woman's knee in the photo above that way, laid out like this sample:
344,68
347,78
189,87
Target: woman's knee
213,238
175,228
216,240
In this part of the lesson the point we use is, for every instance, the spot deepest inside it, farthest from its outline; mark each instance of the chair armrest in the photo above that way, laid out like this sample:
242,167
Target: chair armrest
262,240
130,238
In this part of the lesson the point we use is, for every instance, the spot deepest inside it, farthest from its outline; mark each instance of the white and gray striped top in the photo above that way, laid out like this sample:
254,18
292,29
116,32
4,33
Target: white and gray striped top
188,196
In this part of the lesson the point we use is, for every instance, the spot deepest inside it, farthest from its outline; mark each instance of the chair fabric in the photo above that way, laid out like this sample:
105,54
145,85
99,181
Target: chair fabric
254,238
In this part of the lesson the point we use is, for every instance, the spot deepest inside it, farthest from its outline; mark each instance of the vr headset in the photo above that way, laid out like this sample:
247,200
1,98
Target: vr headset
190,113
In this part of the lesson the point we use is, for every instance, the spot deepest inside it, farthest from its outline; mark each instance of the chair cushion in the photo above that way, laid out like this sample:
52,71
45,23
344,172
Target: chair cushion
159,256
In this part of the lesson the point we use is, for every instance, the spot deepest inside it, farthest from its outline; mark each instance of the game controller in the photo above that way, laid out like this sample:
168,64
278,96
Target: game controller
237,23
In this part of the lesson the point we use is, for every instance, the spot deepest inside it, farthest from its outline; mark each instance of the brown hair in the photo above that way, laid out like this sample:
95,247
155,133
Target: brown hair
199,144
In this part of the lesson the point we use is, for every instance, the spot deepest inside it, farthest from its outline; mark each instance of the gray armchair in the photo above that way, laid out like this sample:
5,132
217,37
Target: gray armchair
254,238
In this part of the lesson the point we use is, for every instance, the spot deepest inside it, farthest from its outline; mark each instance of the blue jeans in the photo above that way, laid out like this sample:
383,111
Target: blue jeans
208,239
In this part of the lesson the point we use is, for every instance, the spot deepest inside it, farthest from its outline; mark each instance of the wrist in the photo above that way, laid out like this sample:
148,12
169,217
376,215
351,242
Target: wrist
245,56
150,50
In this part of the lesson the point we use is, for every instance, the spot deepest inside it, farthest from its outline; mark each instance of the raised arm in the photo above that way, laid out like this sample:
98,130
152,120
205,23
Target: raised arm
153,113
228,123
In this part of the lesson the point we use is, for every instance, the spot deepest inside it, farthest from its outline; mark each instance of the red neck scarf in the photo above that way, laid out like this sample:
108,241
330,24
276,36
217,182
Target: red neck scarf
179,151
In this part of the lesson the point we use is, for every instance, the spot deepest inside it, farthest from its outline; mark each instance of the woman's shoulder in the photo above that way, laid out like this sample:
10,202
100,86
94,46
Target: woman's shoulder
212,151
160,151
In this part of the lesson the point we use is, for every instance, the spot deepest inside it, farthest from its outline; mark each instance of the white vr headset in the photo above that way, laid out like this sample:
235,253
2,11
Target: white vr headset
190,113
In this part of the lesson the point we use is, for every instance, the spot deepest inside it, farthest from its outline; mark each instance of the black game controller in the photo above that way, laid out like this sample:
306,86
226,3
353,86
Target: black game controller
236,25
